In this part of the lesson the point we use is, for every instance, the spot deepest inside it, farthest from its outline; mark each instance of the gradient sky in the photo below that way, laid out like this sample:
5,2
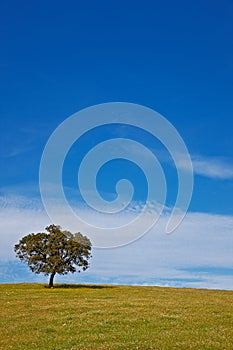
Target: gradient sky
174,57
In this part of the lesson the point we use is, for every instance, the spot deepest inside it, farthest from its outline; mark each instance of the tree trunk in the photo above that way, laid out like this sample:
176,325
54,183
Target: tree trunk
51,280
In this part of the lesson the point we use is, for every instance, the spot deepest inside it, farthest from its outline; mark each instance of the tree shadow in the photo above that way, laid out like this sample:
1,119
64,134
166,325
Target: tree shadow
76,286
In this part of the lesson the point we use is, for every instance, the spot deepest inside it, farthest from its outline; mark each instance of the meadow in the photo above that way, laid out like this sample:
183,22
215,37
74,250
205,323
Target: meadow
81,317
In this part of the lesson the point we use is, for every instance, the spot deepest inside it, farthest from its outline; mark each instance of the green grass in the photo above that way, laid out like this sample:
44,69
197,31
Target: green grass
114,317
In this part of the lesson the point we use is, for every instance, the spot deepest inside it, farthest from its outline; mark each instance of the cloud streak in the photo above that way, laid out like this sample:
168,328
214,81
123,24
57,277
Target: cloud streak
213,167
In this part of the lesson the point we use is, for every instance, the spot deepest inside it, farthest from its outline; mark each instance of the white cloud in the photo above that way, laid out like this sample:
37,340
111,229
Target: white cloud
198,254
213,167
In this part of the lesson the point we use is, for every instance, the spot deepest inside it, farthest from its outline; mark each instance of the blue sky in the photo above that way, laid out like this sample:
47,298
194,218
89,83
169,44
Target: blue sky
173,57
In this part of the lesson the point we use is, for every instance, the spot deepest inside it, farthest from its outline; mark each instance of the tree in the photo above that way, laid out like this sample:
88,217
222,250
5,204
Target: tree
54,252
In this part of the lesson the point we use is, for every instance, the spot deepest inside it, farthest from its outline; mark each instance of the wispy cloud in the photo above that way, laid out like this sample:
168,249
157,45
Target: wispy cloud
21,140
198,254
213,167
14,152
208,166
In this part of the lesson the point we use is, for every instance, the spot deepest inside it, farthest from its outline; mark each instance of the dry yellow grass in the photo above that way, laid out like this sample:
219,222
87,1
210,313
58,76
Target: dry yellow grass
82,317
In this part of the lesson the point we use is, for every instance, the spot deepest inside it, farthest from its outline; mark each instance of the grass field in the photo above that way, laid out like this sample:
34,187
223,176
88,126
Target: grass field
114,317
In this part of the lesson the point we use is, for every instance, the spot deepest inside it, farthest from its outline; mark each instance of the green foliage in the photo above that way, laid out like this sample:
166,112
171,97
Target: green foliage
54,252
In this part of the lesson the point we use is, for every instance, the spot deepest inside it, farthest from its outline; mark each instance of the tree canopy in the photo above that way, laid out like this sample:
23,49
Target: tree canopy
54,252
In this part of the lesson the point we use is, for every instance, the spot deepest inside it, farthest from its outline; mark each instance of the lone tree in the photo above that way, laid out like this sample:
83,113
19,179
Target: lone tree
55,252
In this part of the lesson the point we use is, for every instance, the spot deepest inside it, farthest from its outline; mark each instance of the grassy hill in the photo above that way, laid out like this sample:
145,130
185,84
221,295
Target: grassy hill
71,317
